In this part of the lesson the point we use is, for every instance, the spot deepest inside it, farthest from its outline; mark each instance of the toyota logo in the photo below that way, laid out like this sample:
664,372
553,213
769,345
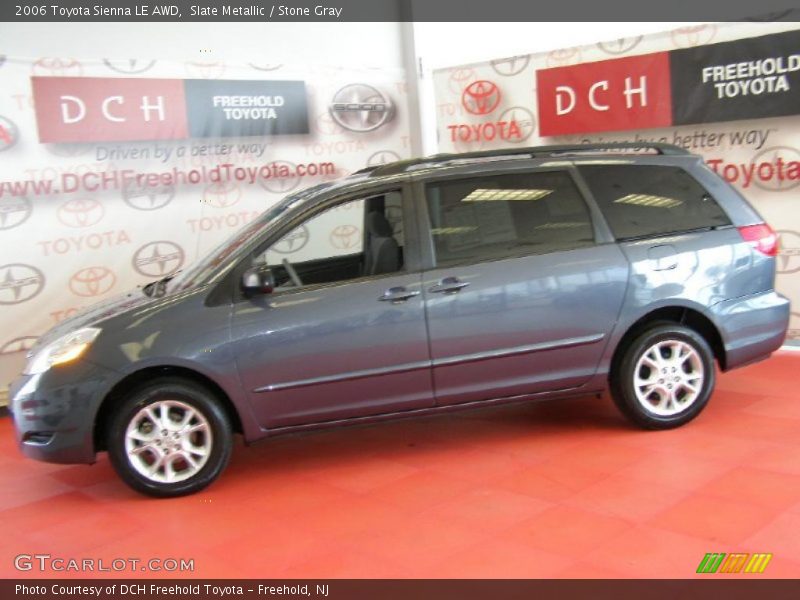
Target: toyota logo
9,134
480,97
19,283
382,157
345,236
129,66
206,70
292,242
788,252
511,66
697,35
57,67
360,107
157,259
565,56
80,212
459,77
771,155
266,66
92,281
222,194
281,185
620,45
18,344
14,211
147,198
524,120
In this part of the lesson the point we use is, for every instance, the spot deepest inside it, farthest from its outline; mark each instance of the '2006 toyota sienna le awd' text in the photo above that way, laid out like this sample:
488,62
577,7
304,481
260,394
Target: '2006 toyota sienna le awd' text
415,287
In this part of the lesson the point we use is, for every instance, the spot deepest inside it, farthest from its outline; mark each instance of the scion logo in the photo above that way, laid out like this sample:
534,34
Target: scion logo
382,157
9,133
620,45
360,107
460,78
57,67
511,66
157,259
147,198
265,66
524,120
130,66
19,283
345,236
92,281
788,252
18,344
697,35
206,70
480,97
80,212
222,194
292,242
281,185
775,168
14,211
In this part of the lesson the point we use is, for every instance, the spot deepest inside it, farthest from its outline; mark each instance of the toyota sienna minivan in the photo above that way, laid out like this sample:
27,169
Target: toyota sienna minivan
414,287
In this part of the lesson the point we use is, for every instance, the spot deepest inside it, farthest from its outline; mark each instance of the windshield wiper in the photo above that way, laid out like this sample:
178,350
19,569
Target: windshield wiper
156,289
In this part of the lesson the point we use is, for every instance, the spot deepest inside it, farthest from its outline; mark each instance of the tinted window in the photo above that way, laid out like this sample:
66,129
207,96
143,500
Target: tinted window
490,218
651,200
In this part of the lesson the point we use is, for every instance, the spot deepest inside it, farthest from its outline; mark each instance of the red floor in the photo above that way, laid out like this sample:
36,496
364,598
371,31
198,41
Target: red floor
562,489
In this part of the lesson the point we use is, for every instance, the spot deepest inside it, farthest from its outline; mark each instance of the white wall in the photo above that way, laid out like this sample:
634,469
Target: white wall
345,44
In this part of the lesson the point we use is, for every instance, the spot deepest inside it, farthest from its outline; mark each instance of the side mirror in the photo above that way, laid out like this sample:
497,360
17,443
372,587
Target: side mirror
258,280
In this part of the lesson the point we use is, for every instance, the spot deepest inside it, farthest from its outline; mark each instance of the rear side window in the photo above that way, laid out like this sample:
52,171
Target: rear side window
645,200
501,216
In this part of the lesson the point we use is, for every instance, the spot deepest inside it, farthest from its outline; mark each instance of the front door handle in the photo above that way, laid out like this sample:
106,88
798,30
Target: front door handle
448,285
396,295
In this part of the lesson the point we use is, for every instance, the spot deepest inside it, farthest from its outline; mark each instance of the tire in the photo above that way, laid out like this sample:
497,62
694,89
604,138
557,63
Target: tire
191,454
664,399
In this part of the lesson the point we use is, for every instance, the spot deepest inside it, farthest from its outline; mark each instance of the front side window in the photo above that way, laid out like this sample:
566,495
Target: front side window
357,238
503,216
646,200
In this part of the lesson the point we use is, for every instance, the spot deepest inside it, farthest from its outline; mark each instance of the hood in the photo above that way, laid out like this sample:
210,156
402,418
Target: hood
95,313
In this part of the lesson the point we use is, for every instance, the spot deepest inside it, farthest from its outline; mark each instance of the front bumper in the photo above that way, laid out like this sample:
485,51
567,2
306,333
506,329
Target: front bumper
54,412
752,327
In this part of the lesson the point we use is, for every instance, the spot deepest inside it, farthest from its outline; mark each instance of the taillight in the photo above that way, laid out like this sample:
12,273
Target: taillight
761,237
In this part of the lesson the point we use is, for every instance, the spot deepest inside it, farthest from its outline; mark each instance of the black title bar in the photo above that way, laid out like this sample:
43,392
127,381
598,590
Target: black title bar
394,10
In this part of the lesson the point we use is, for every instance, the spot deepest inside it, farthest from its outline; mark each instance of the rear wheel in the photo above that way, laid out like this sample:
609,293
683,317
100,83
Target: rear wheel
169,438
665,378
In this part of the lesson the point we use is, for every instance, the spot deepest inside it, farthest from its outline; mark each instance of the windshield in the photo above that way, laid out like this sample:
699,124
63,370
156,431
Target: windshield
200,271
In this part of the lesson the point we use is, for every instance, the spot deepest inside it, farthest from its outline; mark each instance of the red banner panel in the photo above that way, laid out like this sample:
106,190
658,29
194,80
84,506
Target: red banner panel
108,109
609,95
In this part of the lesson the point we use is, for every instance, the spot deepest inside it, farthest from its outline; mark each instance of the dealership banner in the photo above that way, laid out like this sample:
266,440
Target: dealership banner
751,78
728,92
115,172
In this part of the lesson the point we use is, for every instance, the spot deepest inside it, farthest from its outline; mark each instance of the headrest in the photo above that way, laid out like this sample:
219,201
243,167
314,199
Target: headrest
378,225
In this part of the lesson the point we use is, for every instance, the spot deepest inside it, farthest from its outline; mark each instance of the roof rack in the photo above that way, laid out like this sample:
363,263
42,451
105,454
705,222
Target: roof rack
402,166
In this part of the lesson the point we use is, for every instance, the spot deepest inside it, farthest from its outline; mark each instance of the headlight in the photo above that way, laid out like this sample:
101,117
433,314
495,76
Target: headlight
65,349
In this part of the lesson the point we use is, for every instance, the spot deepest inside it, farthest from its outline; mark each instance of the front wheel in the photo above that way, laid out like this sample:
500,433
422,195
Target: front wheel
665,377
169,438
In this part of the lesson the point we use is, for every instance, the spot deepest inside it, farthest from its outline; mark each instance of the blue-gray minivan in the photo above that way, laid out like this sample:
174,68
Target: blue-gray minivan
414,287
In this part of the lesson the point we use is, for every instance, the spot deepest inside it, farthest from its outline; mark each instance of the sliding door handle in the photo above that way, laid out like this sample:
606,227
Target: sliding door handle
396,295
448,285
